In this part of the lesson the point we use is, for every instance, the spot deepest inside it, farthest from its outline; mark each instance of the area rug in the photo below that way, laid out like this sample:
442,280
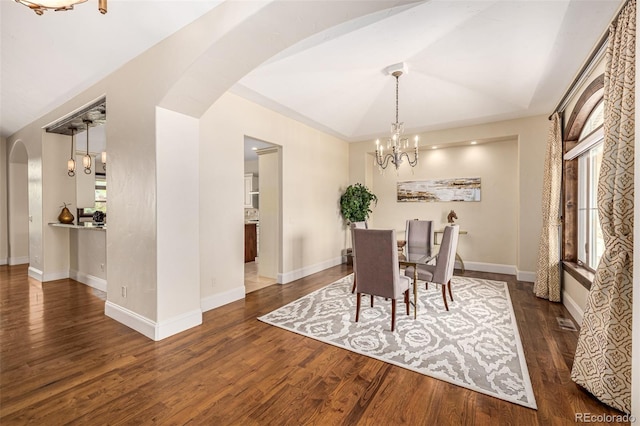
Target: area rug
475,344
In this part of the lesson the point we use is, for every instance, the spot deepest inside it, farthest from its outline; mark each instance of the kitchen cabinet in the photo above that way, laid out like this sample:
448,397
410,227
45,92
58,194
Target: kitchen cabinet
250,242
250,191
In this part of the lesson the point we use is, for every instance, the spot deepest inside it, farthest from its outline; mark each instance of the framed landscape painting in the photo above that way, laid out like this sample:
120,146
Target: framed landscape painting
455,189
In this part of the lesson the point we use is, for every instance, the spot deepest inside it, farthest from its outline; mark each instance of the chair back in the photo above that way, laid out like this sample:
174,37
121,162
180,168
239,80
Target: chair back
377,265
419,236
447,255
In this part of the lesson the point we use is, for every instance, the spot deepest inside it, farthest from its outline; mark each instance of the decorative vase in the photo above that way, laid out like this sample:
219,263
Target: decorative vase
98,217
65,216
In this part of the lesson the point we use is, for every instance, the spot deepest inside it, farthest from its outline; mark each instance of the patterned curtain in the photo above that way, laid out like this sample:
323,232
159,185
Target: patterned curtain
602,362
547,285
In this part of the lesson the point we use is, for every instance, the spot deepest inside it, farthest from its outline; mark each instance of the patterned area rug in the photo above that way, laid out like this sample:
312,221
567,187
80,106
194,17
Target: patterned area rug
475,345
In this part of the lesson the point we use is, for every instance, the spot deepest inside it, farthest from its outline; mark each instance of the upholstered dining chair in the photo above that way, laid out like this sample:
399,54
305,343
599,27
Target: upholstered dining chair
356,225
442,271
419,236
377,268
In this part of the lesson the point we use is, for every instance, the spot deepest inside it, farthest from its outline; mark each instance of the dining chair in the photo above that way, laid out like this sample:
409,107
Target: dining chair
377,268
356,225
419,236
442,271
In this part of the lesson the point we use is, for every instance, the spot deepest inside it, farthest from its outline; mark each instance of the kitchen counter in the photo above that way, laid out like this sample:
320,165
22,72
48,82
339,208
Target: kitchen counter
86,225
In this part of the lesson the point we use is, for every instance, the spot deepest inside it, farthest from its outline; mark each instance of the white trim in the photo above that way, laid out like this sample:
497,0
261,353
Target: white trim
495,268
284,278
52,276
18,260
87,279
220,299
586,144
151,329
178,324
131,319
527,276
3,261
34,273
576,312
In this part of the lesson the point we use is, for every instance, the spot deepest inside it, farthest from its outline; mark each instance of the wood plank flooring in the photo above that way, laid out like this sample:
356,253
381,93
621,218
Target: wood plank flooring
62,361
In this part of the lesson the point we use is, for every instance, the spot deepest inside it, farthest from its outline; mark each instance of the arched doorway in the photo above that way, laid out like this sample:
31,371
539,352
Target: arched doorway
18,205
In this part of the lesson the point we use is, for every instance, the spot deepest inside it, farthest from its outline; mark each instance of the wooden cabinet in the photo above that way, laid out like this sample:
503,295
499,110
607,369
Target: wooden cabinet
250,242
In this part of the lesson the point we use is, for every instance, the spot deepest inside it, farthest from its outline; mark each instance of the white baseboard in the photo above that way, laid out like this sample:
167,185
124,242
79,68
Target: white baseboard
308,270
178,324
18,260
216,300
576,312
87,279
527,276
131,319
52,276
3,261
495,268
151,329
34,273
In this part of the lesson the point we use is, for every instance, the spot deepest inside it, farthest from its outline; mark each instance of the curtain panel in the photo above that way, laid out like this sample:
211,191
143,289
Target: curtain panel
547,284
602,362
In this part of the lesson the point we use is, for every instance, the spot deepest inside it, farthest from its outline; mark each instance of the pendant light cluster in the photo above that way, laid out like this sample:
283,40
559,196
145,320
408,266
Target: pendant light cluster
58,5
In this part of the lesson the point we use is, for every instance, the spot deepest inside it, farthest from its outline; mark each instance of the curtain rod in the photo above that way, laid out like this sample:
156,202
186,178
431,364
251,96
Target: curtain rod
588,66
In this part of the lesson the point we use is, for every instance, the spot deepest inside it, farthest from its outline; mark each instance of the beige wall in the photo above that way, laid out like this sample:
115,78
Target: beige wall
530,134
88,256
491,223
314,173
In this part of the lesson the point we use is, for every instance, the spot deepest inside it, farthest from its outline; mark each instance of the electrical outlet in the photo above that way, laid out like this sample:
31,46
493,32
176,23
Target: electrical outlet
102,267
124,291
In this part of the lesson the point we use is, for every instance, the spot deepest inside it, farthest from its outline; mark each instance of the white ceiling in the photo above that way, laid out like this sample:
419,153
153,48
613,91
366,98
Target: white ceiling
468,61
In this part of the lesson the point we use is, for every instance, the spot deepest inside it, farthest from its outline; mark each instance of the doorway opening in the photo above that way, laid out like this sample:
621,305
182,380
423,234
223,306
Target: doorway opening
262,212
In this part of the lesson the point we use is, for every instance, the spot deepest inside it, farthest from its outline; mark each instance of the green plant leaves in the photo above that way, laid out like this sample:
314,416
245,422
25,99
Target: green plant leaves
355,203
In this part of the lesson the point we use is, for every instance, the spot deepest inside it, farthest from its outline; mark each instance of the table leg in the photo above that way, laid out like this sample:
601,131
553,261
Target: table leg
461,262
415,292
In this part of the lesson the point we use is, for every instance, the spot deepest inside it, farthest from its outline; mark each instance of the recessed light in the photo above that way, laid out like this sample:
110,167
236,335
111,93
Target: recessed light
254,149
474,142
434,147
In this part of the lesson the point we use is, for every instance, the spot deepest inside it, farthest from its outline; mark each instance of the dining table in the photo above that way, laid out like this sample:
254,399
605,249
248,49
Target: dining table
414,258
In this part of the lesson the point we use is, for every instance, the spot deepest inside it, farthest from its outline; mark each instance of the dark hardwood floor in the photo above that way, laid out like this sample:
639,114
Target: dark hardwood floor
62,361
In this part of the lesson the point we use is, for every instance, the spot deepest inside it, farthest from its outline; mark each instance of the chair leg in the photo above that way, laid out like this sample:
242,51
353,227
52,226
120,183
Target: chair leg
406,300
358,306
393,314
449,286
353,289
444,296
372,300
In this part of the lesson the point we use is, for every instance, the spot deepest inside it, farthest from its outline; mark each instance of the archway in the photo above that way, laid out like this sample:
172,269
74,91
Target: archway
18,205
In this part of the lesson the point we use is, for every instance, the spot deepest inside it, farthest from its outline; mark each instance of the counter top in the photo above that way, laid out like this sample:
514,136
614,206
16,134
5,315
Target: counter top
86,225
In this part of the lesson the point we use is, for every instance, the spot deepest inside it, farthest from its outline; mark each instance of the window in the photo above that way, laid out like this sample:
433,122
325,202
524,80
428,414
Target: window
100,200
590,244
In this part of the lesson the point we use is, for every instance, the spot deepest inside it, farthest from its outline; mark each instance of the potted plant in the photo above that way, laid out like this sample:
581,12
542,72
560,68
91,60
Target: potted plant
355,203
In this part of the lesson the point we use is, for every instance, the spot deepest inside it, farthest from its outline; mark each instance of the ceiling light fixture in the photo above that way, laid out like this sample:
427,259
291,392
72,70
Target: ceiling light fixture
396,142
86,159
71,162
40,6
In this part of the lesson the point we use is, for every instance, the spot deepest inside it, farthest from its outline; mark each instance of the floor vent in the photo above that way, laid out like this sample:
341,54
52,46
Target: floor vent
566,324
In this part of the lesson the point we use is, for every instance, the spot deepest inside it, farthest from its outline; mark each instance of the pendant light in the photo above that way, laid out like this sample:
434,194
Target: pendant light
86,159
71,163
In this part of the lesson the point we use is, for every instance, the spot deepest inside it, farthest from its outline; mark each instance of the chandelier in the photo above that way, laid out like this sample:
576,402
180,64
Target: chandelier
40,6
396,142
